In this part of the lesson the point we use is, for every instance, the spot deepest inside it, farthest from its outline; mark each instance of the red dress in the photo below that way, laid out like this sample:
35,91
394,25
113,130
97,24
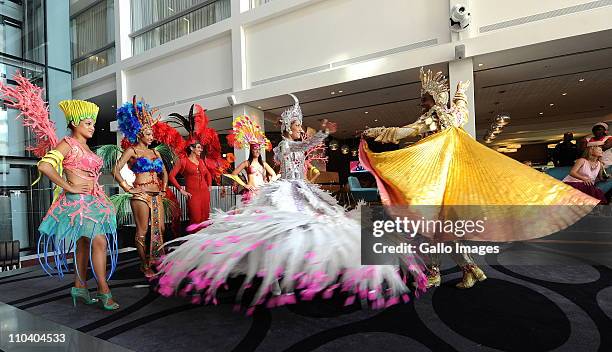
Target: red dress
197,182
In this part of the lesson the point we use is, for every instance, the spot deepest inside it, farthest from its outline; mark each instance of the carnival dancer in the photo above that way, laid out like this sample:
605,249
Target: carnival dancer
246,134
148,192
291,232
81,219
448,169
192,162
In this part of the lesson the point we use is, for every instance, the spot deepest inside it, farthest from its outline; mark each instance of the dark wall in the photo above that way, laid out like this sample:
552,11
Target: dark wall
536,153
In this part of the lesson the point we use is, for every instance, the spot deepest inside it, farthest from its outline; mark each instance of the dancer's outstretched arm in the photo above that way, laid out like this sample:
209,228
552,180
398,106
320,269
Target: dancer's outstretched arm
302,146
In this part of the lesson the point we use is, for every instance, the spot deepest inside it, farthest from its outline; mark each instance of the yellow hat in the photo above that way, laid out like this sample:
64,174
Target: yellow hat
77,110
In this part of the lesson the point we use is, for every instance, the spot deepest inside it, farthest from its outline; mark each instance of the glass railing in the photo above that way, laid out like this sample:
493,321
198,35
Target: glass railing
93,62
156,25
221,198
257,3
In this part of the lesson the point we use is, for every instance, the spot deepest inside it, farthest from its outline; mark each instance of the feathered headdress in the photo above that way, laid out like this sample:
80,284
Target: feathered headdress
436,85
27,98
197,128
195,125
135,116
245,132
290,115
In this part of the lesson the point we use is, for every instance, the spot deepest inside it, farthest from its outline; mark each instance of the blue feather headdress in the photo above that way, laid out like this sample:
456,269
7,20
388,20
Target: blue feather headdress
133,117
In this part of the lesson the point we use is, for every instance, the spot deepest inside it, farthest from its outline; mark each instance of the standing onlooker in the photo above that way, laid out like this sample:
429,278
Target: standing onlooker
601,139
565,152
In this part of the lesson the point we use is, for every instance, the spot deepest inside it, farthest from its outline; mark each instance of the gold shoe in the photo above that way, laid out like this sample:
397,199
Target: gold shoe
478,273
471,275
434,279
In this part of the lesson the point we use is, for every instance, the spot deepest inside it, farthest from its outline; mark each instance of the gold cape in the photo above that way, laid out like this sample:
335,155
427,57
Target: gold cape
463,179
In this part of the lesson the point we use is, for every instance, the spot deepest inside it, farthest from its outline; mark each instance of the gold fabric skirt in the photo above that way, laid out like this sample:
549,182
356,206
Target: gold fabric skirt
457,177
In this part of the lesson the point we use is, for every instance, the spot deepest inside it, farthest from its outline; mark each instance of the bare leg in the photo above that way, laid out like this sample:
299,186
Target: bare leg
461,259
81,262
141,213
98,257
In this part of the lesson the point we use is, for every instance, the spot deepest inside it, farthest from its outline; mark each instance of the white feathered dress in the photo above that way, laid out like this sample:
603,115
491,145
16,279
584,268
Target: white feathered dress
293,233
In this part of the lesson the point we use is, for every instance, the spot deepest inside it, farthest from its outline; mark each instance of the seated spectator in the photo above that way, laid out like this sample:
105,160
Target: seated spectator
586,172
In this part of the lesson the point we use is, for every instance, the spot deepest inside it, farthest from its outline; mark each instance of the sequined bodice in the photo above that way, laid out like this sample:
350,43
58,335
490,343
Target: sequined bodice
86,163
292,155
257,173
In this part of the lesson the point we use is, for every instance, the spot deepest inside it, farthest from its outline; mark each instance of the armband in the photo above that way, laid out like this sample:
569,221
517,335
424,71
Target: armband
53,157
236,179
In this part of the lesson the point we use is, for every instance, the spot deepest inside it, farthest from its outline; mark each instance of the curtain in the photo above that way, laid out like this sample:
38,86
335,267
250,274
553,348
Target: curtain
148,12
256,3
90,31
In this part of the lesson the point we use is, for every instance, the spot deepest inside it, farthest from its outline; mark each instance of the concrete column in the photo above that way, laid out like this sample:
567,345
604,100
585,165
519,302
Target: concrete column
239,68
123,28
463,70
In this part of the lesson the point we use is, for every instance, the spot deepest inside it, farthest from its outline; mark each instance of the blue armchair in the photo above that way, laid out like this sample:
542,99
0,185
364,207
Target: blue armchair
360,193
560,172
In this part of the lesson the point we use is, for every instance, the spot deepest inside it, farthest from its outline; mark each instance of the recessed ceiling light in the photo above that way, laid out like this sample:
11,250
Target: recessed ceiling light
564,94
367,112
480,65
551,104
581,80
339,91
375,120
259,107
332,93
541,113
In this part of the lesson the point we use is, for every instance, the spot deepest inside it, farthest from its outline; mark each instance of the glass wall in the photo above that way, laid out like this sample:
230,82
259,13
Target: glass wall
92,33
155,22
34,39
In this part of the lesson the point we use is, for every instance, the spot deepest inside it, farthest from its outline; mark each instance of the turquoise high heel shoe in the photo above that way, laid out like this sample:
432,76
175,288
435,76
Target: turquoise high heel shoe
82,294
103,298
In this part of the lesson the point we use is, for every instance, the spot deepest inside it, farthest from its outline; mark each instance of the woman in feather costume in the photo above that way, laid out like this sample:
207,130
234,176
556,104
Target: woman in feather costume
195,159
81,219
246,134
292,233
148,195
448,175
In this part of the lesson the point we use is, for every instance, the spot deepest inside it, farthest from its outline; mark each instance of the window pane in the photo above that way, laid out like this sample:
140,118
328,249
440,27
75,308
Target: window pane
91,32
203,17
93,63
256,3
147,12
